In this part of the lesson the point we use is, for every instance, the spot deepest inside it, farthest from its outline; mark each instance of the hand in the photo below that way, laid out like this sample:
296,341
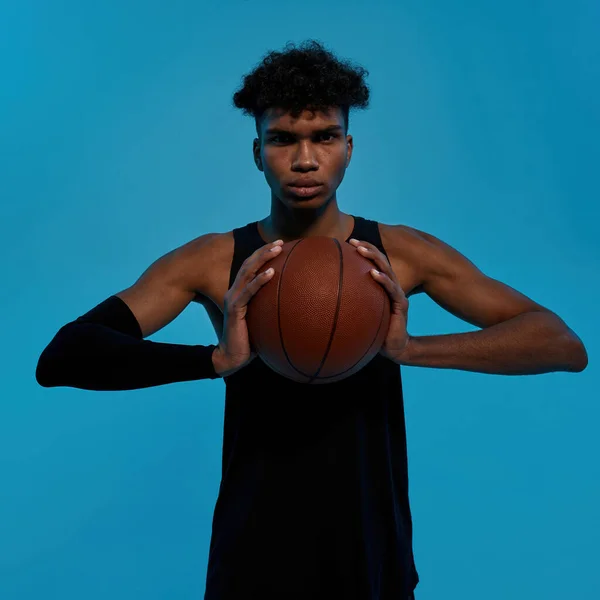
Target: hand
397,338
233,351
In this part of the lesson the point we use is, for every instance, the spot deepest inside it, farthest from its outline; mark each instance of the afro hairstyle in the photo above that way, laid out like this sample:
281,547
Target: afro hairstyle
307,77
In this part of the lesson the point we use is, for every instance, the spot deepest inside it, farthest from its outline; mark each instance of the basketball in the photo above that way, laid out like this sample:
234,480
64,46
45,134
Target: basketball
321,317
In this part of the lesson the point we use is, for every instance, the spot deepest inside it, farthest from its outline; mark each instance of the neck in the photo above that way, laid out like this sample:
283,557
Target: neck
288,224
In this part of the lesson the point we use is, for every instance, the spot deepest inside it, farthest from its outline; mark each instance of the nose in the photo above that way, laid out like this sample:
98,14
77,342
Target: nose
305,159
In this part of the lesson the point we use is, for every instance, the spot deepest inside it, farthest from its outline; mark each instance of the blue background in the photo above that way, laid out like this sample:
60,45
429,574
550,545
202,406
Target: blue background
118,142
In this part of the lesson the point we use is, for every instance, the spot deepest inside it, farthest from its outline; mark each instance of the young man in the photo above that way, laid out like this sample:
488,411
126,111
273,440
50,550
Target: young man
313,501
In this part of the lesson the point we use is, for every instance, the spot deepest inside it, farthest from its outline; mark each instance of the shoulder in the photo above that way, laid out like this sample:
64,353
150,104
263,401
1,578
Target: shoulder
198,262
395,237
403,241
209,247
426,254
415,242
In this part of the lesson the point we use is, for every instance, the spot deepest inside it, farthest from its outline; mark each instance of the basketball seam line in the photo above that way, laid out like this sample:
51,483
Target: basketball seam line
365,352
337,311
278,304
311,378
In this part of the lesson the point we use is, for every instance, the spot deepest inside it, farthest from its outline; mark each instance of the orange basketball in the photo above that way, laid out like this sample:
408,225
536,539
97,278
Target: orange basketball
321,317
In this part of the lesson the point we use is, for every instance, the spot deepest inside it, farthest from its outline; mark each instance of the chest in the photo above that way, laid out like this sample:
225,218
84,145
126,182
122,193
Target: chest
213,298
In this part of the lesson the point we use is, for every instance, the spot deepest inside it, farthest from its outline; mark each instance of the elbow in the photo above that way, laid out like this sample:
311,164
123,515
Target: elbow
54,360
42,378
578,357
44,372
570,350
581,363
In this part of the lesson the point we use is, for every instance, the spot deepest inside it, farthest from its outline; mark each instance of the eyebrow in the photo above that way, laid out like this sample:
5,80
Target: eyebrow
327,129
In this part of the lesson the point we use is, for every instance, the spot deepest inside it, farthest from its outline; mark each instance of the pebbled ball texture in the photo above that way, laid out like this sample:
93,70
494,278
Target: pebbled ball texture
322,316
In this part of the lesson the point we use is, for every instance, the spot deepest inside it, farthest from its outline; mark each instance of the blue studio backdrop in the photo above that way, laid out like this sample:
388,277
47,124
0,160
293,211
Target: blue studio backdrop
118,143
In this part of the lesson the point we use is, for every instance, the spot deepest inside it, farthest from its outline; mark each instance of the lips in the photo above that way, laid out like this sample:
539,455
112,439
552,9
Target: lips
305,183
305,191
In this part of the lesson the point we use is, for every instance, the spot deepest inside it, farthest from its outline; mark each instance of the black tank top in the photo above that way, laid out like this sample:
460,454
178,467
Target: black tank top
313,501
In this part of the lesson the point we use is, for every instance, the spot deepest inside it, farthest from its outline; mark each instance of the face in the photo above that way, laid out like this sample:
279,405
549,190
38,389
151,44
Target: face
304,159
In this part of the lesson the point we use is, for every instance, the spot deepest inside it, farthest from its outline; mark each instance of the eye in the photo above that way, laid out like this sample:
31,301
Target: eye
278,139
331,136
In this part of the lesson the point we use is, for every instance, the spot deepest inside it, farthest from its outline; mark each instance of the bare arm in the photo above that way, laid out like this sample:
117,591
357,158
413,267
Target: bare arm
168,286
518,336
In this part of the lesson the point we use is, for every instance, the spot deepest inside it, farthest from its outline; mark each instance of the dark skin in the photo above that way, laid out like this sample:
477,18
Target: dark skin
517,335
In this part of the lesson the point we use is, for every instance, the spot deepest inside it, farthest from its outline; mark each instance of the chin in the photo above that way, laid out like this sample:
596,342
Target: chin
307,205
308,201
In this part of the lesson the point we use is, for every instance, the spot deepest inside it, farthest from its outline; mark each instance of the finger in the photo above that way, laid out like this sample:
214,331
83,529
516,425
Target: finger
381,262
393,289
252,287
257,259
358,244
364,243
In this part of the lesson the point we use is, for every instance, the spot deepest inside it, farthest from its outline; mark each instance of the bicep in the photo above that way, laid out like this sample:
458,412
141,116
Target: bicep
166,287
457,285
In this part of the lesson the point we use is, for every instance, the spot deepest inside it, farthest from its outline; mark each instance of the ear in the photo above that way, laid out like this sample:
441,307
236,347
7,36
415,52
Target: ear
256,153
350,144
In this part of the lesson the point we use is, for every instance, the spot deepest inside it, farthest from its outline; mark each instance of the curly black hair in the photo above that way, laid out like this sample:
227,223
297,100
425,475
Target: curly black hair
308,77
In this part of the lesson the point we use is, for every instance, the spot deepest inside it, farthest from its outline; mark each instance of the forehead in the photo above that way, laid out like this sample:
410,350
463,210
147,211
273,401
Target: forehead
307,120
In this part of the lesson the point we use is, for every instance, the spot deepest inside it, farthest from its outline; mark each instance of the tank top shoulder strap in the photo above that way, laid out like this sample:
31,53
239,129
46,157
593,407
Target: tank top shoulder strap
367,230
246,240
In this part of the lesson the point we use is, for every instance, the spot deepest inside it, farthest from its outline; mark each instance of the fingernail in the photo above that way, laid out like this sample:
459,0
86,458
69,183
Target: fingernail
375,271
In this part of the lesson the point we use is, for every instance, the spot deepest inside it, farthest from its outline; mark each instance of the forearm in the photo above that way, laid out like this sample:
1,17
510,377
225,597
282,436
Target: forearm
104,350
531,343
